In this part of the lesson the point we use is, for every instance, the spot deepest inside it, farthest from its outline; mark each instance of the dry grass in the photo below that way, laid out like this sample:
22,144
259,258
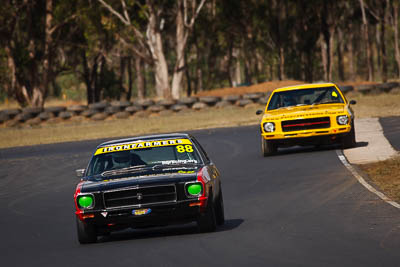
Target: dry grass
382,105
386,176
111,128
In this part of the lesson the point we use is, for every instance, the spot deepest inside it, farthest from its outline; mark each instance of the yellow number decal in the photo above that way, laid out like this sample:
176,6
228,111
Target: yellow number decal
182,149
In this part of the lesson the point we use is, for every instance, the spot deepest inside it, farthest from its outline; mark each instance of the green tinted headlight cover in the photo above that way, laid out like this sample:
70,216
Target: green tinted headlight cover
85,201
194,189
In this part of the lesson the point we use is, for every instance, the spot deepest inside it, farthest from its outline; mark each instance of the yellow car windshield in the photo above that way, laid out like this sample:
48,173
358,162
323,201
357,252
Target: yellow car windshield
302,97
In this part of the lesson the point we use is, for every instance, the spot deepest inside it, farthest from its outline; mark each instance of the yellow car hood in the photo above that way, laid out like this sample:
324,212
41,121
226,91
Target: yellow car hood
304,111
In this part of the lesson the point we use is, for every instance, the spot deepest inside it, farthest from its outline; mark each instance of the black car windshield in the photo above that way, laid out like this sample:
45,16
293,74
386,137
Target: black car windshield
302,97
143,154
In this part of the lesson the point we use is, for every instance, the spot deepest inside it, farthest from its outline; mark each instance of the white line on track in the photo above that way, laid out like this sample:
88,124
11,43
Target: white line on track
362,181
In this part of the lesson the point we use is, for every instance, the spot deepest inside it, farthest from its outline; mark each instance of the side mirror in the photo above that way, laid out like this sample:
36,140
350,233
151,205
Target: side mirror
353,102
258,112
80,173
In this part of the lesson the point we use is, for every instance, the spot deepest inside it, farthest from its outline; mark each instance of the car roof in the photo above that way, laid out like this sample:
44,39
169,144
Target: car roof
145,138
304,86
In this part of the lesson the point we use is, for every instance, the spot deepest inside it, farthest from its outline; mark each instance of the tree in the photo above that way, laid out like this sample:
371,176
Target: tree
31,33
152,40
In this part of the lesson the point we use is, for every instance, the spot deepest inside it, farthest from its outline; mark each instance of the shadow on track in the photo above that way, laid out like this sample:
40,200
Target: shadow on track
177,230
310,149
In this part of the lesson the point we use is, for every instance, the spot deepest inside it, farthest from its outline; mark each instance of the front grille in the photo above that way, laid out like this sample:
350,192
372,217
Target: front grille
139,195
306,124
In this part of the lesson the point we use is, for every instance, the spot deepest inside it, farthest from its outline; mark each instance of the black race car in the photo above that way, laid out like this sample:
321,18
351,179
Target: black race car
147,181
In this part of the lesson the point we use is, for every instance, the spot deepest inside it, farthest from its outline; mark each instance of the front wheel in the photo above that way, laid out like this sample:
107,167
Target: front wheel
207,222
267,148
220,214
86,232
349,140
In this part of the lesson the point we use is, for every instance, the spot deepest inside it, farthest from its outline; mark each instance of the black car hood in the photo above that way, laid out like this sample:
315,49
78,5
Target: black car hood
170,174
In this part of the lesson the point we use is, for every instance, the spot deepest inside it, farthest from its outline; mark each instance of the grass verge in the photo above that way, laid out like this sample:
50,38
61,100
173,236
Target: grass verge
386,176
112,128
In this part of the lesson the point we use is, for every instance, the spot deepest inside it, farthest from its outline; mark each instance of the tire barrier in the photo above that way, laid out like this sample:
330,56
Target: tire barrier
231,98
11,113
4,117
76,109
144,103
223,103
243,102
209,100
122,115
44,116
179,107
147,107
199,106
254,97
365,88
99,116
89,113
55,110
132,109
188,101
121,104
156,108
166,103
65,115
100,106
111,110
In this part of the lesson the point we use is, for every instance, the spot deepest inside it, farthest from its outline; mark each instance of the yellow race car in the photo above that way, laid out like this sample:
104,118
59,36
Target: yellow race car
309,114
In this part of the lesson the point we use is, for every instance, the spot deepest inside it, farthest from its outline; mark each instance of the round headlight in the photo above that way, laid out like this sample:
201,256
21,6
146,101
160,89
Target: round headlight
342,120
269,127
85,201
194,189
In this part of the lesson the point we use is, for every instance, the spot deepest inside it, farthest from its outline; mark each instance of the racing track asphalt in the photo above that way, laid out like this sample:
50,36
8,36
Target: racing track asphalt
391,130
301,207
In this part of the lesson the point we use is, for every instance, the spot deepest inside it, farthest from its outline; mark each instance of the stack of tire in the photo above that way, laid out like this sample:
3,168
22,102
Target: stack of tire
148,107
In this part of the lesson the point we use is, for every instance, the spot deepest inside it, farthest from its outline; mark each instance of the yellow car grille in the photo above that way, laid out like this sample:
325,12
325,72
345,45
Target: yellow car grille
306,124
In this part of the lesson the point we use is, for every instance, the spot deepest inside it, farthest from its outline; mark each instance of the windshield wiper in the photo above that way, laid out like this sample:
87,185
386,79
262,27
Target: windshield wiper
124,170
326,102
161,166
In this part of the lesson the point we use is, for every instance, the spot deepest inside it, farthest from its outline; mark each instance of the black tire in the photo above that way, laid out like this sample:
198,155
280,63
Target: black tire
86,232
349,140
207,222
219,209
267,147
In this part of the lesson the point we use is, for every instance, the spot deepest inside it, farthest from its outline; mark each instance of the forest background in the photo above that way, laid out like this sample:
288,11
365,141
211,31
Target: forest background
94,50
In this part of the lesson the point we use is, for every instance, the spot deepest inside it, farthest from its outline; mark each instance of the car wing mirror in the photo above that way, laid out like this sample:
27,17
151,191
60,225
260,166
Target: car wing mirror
353,102
79,172
258,112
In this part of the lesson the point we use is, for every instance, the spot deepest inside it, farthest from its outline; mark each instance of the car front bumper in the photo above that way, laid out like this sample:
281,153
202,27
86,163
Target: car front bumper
159,215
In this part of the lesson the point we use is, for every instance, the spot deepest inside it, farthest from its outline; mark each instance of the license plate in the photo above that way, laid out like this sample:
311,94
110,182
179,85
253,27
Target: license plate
141,212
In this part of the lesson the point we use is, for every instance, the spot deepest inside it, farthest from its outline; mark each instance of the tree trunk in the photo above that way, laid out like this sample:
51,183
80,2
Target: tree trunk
339,49
383,50
396,36
350,48
324,56
366,41
181,38
140,80
237,68
188,79
40,93
281,73
129,68
154,41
